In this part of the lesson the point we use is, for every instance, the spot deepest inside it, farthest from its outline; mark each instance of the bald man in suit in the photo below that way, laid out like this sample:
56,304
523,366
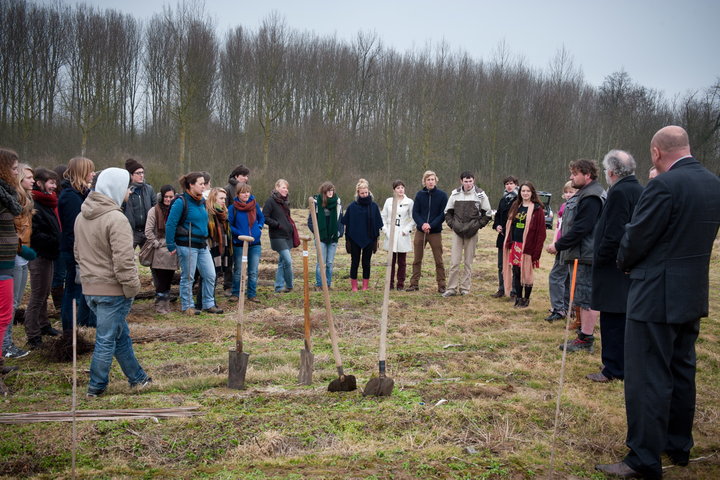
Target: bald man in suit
666,250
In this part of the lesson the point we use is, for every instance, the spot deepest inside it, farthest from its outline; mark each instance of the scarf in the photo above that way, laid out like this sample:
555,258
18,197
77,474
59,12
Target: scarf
197,198
47,200
283,202
161,214
327,219
249,208
365,203
217,226
9,198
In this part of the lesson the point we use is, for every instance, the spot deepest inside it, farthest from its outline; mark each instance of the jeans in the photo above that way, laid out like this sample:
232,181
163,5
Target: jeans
328,254
191,258
559,280
73,291
20,277
284,274
58,278
112,339
253,261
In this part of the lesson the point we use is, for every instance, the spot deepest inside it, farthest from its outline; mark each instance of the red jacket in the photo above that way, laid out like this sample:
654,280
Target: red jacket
535,237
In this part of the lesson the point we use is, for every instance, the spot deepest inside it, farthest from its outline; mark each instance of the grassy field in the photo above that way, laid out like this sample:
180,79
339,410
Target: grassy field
475,390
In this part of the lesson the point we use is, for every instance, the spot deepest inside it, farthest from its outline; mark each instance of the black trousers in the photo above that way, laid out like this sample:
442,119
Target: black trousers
356,253
612,333
659,392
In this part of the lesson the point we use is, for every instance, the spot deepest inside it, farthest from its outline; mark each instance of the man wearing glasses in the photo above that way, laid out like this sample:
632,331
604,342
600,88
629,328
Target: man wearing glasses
142,198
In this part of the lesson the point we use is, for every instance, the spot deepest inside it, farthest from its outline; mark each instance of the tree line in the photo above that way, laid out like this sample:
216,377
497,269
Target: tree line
180,96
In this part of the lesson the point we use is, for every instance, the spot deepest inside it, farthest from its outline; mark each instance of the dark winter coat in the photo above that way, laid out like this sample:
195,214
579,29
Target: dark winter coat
582,212
362,222
45,237
69,204
501,215
429,207
610,285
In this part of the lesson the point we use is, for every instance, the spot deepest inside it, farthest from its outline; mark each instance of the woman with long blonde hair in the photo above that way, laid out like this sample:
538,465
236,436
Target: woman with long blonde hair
23,227
75,188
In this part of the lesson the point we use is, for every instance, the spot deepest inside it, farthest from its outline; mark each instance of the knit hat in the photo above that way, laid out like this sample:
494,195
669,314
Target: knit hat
131,165
113,182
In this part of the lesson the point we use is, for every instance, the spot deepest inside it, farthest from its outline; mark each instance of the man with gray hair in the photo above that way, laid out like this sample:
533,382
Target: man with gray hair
609,284
666,249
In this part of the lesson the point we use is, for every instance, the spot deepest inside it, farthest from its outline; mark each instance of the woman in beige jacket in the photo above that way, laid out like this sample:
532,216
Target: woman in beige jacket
164,264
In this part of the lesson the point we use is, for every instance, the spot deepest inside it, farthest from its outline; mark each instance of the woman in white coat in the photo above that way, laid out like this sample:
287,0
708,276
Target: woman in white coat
404,226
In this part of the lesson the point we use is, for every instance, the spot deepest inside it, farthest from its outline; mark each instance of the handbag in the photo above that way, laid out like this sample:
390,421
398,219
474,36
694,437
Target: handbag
147,253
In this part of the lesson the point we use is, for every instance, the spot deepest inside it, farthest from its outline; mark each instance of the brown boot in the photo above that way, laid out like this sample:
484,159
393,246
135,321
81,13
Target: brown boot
575,322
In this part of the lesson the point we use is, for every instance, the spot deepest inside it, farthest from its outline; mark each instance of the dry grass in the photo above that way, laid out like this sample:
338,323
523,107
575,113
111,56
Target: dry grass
475,389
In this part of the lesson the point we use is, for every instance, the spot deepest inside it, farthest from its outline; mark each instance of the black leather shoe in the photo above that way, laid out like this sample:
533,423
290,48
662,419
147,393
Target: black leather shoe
681,459
554,316
599,377
620,470
412,288
498,294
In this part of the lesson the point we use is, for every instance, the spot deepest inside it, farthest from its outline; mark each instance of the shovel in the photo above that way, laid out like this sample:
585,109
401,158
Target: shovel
306,356
382,386
344,383
238,360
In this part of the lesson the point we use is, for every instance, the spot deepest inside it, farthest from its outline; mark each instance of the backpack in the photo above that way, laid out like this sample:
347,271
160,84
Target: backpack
180,229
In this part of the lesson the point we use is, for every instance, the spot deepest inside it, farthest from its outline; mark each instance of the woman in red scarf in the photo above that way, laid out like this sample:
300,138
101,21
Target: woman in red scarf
246,218
45,240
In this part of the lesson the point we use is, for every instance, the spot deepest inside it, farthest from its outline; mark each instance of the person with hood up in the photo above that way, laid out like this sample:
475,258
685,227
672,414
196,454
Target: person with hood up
104,253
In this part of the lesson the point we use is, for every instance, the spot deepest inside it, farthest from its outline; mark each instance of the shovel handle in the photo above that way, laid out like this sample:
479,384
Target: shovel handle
388,279
246,239
326,292
306,291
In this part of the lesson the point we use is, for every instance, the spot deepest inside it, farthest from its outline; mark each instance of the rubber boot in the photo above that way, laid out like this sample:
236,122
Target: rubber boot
353,285
365,283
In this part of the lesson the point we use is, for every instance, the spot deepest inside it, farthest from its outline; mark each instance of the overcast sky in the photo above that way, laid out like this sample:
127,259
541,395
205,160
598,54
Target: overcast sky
666,45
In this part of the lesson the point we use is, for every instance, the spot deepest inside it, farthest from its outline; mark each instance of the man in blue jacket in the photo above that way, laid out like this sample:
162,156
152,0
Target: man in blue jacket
429,215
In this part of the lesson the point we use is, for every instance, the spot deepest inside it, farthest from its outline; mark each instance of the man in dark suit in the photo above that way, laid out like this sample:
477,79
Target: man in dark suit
609,284
666,248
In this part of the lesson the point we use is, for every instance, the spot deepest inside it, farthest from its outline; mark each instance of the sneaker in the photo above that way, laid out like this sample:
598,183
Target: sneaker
448,293
464,292
554,316
147,383
191,311
49,331
253,299
580,344
214,309
233,298
94,393
15,352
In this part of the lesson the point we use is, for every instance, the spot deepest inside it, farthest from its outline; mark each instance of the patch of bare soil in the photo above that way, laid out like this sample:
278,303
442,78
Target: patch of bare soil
151,333
285,325
461,391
